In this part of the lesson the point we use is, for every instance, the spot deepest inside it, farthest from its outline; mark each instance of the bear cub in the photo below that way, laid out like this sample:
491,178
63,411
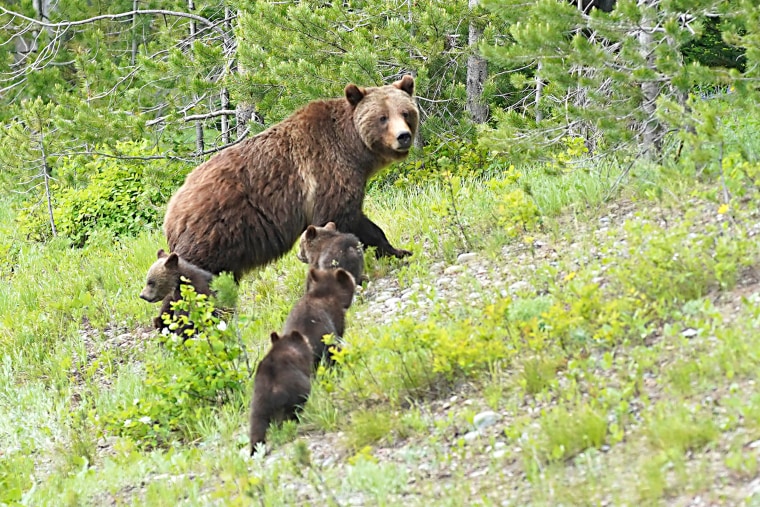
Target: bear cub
281,385
164,280
327,248
322,310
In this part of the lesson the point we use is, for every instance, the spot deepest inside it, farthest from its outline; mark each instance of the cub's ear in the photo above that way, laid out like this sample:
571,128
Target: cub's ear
311,233
312,278
160,254
330,226
354,94
406,84
274,336
172,261
345,279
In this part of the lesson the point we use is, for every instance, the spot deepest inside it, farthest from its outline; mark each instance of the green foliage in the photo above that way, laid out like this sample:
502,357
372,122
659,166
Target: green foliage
566,433
679,430
426,356
307,50
515,209
16,476
121,197
599,78
203,366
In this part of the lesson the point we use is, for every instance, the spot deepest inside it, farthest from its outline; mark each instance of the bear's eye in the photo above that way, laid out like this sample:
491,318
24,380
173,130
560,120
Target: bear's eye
383,119
150,283
405,114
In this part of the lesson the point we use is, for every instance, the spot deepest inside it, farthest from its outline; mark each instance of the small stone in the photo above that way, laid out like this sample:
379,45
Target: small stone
466,257
517,286
485,419
689,333
499,454
392,302
383,296
452,269
472,435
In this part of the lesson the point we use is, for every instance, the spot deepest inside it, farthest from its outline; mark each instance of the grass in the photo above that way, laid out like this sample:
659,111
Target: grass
576,329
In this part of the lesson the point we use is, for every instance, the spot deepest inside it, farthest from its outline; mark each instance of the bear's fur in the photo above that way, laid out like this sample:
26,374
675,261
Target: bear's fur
281,385
164,280
249,204
322,310
327,248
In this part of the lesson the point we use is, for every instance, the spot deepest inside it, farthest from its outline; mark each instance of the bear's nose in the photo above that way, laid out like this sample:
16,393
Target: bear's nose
404,140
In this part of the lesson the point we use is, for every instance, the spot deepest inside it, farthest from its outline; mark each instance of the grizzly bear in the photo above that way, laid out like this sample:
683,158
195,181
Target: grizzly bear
281,385
327,248
249,204
165,278
322,310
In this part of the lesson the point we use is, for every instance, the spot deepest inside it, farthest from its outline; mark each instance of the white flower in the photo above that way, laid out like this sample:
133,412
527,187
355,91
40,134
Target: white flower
165,331
128,423
145,419
222,326
135,401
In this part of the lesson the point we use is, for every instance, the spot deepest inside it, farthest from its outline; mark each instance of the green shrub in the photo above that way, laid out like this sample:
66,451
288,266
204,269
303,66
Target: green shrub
196,372
120,198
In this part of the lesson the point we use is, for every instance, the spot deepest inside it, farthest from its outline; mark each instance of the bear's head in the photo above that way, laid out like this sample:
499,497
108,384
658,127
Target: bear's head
163,277
386,117
293,338
310,237
337,285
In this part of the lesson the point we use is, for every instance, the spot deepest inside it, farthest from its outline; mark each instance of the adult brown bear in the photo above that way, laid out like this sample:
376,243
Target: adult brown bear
249,204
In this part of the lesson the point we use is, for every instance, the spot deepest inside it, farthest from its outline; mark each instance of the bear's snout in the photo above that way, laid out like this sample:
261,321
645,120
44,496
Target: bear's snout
404,140
147,298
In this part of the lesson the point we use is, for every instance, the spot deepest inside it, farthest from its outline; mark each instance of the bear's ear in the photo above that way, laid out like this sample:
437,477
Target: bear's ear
312,277
354,94
172,261
345,279
406,84
160,254
274,336
330,226
311,233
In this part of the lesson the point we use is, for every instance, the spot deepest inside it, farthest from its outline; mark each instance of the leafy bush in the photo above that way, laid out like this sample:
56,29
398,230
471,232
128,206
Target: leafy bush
120,198
197,371
411,359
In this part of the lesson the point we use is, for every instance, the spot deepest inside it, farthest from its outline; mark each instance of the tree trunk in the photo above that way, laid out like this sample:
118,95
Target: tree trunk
539,92
134,34
477,71
652,131
199,144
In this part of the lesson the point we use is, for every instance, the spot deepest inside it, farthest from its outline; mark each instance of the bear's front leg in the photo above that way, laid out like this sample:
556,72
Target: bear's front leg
370,234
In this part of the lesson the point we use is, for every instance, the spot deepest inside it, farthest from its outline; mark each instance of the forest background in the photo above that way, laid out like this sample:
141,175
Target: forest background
537,118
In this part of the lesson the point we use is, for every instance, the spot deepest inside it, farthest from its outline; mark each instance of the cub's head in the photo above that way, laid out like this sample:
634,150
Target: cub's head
386,117
336,284
163,277
308,246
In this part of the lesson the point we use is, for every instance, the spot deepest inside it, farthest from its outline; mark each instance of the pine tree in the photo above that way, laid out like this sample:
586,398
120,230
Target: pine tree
608,78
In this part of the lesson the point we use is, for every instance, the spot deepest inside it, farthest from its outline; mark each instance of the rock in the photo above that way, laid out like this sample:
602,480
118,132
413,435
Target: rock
689,333
466,257
485,419
383,296
471,436
499,454
520,285
452,269
392,302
